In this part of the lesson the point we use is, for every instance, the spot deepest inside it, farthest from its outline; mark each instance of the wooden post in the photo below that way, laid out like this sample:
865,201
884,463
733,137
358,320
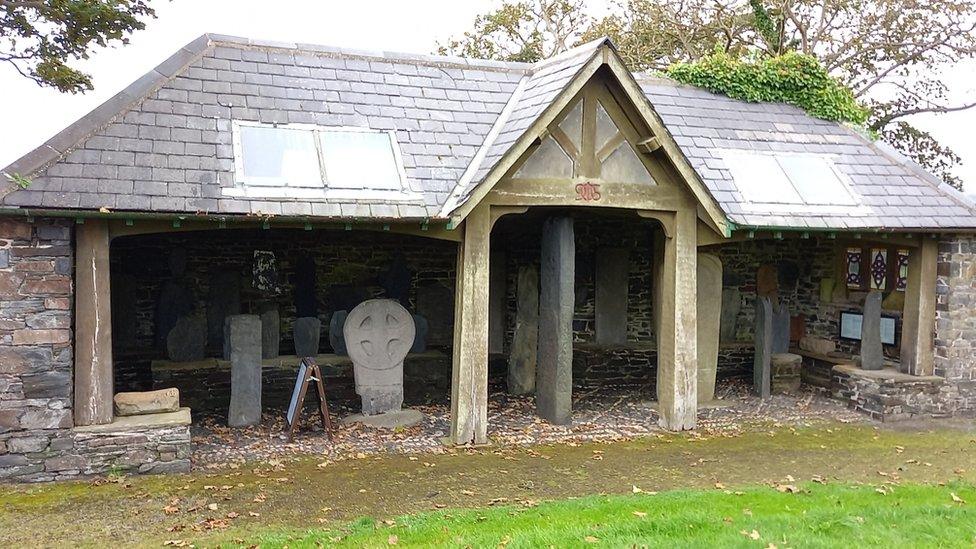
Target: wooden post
469,385
676,296
93,325
918,319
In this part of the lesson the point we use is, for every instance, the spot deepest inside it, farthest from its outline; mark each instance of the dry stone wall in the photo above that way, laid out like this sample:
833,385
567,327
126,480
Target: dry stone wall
955,329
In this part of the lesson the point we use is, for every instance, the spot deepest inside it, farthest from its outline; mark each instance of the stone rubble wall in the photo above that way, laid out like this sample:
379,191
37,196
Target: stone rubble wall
890,400
955,326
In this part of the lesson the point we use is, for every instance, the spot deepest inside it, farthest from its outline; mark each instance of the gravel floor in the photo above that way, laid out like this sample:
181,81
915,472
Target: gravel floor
598,415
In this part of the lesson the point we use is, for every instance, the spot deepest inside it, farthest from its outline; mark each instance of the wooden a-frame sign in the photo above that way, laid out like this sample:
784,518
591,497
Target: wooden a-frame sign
308,372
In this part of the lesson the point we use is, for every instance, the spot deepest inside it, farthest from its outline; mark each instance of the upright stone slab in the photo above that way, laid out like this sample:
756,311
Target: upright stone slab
554,375
496,302
224,300
187,341
872,352
420,338
397,280
611,281
709,310
781,327
761,364
304,288
270,333
336,338
242,337
731,305
379,333
436,303
307,331
523,352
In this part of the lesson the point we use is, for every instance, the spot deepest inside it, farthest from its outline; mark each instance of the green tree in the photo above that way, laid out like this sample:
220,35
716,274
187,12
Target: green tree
41,38
887,52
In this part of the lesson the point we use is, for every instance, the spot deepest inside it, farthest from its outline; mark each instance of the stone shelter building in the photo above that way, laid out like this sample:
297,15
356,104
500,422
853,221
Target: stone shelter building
567,223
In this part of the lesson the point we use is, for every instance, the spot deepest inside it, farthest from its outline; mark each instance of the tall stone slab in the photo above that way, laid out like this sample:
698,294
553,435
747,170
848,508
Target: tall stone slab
781,327
872,352
554,374
307,332
223,300
611,281
731,305
523,352
270,333
709,316
762,365
496,302
242,339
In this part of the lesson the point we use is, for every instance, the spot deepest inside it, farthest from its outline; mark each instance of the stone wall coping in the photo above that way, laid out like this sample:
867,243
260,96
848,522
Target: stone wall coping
887,374
285,362
840,359
146,421
651,346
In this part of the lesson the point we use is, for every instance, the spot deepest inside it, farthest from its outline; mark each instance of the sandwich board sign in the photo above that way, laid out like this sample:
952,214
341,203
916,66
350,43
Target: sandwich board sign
308,372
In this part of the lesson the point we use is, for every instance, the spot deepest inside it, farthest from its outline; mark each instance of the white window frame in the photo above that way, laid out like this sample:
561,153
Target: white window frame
268,187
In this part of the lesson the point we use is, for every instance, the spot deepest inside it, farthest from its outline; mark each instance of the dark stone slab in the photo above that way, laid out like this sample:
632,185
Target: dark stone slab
761,366
224,300
872,351
397,280
420,339
435,302
306,300
611,281
175,302
187,341
554,374
243,339
125,304
307,332
781,327
336,338
270,333
522,356
496,302
731,305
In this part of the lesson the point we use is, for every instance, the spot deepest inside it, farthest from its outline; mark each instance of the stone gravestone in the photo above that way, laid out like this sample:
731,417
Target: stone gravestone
336,339
781,327
761,364
554,369
709,310
224,300
436,303
522,354
379,333
270,333
731,305
187,341
264,272
242,340
306,299
872,352
175,298
612,289
307,332
420,339
496,302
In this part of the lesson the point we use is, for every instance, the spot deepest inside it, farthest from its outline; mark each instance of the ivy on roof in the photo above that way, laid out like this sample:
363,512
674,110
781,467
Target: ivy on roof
793,78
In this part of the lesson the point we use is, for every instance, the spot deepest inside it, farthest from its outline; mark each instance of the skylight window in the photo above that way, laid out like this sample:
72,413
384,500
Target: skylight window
787,178
309,161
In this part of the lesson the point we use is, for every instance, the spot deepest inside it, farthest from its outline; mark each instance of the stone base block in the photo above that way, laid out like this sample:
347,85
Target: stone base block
785,372
388,420
147,402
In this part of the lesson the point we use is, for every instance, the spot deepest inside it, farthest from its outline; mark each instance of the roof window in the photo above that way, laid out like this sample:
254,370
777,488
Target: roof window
787,178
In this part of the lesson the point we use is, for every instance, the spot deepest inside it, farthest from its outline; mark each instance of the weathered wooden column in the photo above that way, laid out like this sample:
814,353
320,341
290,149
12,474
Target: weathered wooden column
469,385
918,319
554,372
676,300
93,325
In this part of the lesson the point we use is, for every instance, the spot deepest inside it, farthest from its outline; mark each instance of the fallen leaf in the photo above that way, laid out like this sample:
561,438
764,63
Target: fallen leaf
751,535
636,490
956,499
591,539
212,506
719,486
640,514
393,539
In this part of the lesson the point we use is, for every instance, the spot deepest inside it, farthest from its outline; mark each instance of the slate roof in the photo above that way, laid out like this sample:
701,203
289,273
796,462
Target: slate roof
165,143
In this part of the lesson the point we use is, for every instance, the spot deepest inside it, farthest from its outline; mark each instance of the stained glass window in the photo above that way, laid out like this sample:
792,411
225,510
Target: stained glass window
879,268
902,270
854,268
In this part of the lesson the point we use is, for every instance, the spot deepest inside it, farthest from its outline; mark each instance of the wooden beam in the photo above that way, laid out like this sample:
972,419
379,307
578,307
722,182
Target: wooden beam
469,380
93,325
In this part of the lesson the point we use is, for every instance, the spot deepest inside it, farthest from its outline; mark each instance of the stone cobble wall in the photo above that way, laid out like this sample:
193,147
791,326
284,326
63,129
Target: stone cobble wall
36,265
632,366
893,400
955,310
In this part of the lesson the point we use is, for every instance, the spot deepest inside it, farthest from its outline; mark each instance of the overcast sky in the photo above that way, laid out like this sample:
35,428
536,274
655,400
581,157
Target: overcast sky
29,115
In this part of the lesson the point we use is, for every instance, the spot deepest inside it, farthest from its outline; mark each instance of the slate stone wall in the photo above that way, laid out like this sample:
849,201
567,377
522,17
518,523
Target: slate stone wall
955,311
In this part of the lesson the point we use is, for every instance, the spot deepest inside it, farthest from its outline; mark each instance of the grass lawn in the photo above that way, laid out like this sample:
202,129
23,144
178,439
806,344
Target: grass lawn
813,515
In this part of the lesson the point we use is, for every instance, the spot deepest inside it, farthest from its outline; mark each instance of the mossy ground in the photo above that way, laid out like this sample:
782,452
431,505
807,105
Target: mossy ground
261,500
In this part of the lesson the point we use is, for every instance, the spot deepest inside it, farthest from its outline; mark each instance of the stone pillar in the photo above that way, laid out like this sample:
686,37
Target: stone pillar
710,301
496,297
676,270
242,338
612,281
93,325
469,383
762,360
918,320
523,352
554,373
872,352
270,333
